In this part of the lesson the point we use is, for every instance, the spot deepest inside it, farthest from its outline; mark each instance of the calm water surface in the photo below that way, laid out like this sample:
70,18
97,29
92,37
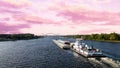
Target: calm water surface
38,53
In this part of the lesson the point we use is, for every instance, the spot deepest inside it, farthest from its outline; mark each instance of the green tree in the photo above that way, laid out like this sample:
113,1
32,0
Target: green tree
114,36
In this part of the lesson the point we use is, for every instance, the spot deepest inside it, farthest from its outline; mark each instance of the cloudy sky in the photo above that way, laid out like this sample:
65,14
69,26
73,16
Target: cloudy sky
59,16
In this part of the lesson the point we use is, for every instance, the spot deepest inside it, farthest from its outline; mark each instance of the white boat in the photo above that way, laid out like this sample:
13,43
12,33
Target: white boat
62,44
85,50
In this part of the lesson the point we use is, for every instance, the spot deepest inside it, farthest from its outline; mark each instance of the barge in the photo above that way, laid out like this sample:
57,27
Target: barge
62,44
85,50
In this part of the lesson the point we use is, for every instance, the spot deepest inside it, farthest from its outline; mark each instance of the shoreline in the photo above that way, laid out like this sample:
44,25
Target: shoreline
17,40
16,37
116,41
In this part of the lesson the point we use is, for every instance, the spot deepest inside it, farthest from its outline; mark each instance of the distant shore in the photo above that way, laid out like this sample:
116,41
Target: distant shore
103,37
108,41
14,37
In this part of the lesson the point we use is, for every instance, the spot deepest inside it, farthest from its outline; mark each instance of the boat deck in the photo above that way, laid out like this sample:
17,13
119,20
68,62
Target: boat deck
61,45
87,56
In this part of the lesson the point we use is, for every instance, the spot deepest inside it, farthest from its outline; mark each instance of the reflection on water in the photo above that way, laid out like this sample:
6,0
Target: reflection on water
75,54
38,53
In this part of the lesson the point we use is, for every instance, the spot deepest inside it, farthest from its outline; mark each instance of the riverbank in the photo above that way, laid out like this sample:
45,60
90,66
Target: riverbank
14,37
103,37
109,41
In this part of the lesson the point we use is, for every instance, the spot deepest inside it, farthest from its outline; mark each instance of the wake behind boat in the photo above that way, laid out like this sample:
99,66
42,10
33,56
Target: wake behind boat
62,44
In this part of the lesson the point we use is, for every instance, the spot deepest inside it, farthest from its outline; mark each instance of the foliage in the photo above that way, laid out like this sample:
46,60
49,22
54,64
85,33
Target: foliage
102,36
7,37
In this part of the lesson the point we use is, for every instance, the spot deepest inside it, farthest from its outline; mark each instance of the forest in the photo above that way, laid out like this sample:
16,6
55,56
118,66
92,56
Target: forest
100,37
13,37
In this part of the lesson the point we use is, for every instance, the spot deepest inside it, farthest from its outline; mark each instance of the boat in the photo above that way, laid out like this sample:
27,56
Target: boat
62,44
85,50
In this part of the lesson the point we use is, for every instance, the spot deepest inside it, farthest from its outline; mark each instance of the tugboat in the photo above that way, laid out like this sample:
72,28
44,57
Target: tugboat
85,50
62,44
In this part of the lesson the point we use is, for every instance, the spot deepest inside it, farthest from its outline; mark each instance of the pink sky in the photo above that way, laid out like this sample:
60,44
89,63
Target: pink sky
59,16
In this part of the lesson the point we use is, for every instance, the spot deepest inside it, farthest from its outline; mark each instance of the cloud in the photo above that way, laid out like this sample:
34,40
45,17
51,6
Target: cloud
14,3
73,16
14,18
80,15
10,11
101,1
89,31
5,19
5,28
33,19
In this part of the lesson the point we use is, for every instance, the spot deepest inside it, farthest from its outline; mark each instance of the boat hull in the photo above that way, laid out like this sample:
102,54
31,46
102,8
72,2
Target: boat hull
88,56
61,45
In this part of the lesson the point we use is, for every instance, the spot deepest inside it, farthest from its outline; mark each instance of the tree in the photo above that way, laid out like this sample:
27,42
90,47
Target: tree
114,36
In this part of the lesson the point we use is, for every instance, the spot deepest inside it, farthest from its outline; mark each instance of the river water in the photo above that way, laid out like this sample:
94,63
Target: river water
43,53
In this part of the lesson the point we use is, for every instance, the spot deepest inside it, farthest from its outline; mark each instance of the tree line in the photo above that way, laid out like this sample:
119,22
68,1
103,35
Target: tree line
100,37
8,37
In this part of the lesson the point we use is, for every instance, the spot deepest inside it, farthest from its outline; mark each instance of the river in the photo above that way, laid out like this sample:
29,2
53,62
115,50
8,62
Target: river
43,53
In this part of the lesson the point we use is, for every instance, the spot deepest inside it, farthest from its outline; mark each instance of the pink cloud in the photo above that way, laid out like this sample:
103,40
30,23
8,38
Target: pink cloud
89,31
10,11
91,16
101,1
32,19
81,15
13,7
5,19
24,15
14,3
5,28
